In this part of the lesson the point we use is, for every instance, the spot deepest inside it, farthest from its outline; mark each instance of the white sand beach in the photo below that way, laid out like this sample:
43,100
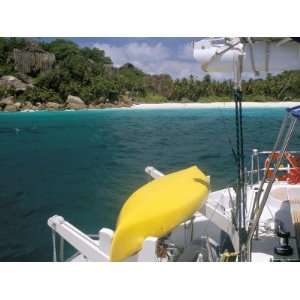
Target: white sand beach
214,105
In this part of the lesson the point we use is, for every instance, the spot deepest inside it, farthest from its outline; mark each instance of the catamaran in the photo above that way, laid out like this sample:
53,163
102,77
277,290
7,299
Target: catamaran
176,217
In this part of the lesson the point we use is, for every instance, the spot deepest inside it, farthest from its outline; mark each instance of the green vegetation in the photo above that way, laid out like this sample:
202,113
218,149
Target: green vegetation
149,98
89,74
6,47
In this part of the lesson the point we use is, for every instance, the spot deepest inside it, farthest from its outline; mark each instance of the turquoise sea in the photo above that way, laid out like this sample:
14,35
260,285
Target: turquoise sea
84,164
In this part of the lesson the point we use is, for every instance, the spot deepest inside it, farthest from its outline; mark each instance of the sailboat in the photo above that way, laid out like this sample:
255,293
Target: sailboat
176,217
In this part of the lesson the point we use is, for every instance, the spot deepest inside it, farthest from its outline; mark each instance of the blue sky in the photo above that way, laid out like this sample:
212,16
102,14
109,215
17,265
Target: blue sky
173,56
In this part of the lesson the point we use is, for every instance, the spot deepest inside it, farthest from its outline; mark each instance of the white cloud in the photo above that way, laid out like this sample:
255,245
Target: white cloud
153,59
156,59
186,52
176,68
133,52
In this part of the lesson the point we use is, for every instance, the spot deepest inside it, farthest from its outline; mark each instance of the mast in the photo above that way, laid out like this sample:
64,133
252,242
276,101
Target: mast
227,55
260,56
240,161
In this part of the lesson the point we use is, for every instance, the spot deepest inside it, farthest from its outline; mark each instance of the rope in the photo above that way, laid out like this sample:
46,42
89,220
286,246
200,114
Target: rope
226,256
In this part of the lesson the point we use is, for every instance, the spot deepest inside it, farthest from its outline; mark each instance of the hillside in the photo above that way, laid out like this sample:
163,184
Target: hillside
39,75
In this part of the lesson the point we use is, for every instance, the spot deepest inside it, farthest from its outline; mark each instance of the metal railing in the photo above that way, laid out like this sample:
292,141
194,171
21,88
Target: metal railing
257,170
262,194
58,256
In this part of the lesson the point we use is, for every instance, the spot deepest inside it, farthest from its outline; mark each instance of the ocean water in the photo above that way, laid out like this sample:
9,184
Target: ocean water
84,164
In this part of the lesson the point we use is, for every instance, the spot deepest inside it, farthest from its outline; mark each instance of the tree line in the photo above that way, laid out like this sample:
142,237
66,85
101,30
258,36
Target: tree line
89,73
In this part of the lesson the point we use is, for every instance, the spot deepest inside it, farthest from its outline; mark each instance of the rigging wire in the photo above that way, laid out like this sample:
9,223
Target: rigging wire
227,135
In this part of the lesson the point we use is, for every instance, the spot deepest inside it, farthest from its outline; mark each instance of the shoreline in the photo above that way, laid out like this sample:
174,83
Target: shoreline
173,105
176,105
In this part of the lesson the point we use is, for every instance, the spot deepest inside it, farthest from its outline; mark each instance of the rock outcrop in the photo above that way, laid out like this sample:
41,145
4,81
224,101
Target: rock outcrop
7,101
32,59
18,106
52,106
24,77
13,82
97,105
27,105
9,104
10,108
74,102
75,106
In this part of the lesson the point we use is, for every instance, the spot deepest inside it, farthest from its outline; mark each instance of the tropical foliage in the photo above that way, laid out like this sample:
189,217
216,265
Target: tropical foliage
89,74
